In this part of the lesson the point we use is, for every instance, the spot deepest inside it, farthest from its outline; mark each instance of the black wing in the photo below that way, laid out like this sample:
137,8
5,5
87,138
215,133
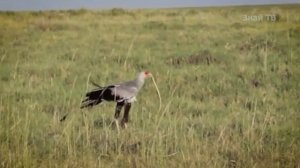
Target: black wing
96,96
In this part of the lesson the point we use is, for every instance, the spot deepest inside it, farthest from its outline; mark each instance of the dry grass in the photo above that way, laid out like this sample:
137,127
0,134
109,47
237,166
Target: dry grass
228,88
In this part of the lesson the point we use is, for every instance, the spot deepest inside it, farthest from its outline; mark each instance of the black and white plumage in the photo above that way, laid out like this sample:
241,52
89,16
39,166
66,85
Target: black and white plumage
124,94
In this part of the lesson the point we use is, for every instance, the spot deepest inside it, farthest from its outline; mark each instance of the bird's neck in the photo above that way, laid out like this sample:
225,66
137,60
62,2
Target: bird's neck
139,82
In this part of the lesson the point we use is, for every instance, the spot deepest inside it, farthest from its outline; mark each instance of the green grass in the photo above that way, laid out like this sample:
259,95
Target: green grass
230,88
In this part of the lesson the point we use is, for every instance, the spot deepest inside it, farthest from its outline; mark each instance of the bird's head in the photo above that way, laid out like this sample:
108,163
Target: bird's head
147,74
143,75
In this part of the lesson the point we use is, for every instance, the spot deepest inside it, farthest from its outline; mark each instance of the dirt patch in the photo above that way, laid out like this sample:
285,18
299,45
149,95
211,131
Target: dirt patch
155,25
255,82
203,57
255,44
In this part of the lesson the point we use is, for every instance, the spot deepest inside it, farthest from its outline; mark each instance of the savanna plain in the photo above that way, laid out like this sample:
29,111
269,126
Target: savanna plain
229,79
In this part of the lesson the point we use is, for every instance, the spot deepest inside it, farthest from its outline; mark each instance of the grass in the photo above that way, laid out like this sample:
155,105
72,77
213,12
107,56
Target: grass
229,87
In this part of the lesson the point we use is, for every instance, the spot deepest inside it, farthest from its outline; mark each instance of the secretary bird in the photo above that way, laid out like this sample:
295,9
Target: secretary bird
124,94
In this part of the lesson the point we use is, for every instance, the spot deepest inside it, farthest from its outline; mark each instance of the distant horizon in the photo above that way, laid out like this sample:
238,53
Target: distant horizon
35,5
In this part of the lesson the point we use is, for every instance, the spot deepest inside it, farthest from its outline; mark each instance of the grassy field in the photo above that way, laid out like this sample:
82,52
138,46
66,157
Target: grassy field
229,80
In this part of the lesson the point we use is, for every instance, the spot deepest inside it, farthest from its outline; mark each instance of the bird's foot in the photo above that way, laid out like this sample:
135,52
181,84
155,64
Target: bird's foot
124,124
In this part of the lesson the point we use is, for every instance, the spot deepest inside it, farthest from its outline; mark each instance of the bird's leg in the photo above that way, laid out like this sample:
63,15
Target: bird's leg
119,107
126,115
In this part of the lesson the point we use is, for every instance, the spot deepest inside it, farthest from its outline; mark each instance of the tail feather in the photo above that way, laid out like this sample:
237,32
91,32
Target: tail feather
95,84
92,98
